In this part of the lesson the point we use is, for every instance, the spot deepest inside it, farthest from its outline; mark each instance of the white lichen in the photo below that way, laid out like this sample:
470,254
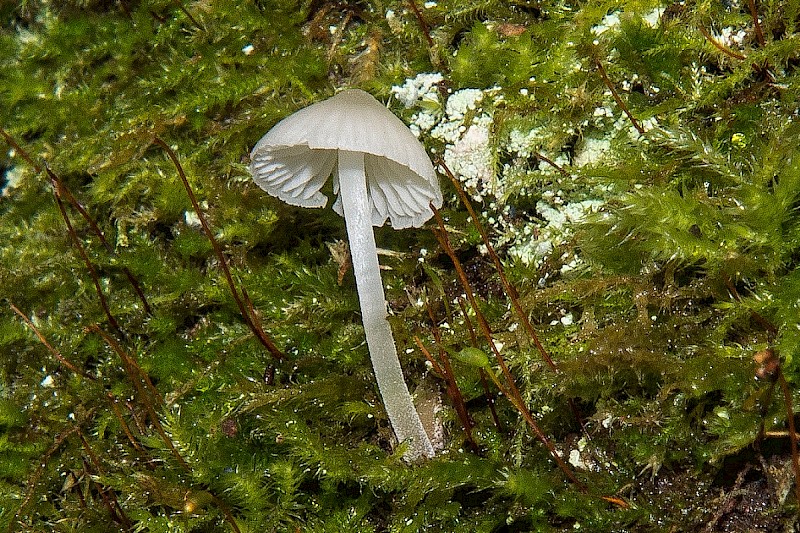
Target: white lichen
423,87
591,151
470,157
461,102
463,122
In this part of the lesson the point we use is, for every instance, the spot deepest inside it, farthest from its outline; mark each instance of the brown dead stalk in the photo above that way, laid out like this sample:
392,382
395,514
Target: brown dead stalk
719,46
422,24
61,359
60,190
443,367
148,394
242,301
510,389
616,96
751,4
510,290
787,399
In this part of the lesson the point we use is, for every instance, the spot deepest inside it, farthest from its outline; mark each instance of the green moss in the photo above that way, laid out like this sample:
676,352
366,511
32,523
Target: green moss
652,306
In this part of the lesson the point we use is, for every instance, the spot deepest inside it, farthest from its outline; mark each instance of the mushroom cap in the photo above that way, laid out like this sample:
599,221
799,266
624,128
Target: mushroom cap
294,159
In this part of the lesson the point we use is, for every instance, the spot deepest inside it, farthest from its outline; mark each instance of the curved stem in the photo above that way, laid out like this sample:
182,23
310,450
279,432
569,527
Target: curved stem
357,215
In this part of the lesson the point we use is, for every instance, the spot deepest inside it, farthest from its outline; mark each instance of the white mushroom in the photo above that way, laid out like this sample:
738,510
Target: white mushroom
380,171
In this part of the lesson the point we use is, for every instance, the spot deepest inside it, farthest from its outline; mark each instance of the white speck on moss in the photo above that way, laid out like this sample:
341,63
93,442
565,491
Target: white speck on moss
730,37
604,111
12,178
191,219
463,123
557,229
468,150
653,17
423,121
609,22
395,24
572,265
460,123
575,459
248,49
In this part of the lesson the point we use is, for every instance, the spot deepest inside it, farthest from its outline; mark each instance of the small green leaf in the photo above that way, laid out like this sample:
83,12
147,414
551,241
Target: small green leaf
473,357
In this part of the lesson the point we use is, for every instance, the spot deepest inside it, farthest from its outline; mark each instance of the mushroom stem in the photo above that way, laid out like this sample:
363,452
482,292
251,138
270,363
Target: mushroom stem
382,350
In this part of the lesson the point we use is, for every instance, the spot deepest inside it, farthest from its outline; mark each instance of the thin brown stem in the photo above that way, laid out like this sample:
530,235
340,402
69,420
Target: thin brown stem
512,392
756,23
446,371
249,318
452,384
57,192
112,400
89,265
422,24
719,46
63,360
429,357
561,170
490,397
64,192
226,512
19,150
61,190
33,480
108,496
772,331
139,377
511,291
146,389
472,336
491,400
616,96
131,366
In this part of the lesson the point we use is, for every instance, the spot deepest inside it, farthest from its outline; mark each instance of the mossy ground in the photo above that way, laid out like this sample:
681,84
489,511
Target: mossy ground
653,305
